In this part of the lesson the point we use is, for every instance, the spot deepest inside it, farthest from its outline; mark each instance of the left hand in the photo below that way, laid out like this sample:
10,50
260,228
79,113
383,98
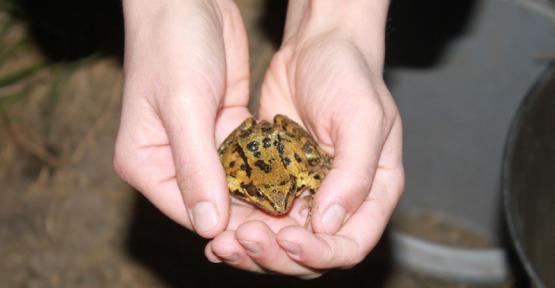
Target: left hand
329,80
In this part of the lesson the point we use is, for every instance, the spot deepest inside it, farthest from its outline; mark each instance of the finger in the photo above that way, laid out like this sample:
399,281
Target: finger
228,120
227,249
362,231
350,245
260,244
234,107
210,254
274,96
143,158
236,56
358,140
150,171
367,225
319,251
200,176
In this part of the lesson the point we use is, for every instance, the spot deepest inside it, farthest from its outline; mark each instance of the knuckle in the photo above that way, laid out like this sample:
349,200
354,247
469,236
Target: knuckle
401,183
383,107
120,164
361,181
391,115
378,111
355,190
356,258
350,263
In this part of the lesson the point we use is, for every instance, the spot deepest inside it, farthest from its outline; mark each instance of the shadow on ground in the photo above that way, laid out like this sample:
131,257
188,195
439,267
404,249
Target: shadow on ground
176,256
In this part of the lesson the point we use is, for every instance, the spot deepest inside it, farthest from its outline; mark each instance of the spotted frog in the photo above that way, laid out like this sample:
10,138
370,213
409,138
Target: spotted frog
270,165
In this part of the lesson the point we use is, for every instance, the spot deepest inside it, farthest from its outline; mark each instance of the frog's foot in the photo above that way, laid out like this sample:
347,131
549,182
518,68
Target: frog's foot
308,204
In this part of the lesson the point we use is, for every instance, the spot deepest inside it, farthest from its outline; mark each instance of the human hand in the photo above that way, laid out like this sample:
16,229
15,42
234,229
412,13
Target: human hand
186,88
327,76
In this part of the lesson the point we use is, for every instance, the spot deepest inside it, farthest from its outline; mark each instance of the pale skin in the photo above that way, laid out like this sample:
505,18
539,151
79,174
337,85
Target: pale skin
186,89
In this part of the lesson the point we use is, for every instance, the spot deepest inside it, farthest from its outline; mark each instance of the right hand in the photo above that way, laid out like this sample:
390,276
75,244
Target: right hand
327,76
186,88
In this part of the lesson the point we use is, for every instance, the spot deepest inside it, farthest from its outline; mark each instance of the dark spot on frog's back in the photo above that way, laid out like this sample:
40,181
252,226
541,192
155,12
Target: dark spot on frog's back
263,166
267,129
245,133
286,161
231,164
244,166
298,158
279,146
253,146
257,154
267,142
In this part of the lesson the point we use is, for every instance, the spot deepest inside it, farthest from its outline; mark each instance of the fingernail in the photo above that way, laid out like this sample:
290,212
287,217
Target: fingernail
214,260
333,218
252,247
293,249
205,216
230,258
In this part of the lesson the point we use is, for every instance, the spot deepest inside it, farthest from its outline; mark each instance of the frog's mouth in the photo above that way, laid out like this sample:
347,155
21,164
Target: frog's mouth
271,201
276,204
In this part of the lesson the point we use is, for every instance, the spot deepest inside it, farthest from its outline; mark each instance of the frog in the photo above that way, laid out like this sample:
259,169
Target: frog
269,165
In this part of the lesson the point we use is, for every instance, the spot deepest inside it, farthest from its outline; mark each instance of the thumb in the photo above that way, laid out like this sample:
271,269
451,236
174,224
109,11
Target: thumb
190,123
358,144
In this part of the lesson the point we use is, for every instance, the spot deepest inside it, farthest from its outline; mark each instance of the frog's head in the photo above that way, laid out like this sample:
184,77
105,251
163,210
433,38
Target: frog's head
276,200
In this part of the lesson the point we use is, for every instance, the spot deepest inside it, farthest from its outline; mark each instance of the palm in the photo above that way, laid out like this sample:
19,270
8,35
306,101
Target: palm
279,97
320,87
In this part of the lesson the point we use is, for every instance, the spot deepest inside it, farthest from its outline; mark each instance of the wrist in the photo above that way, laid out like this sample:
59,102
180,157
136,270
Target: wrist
361,22
137,12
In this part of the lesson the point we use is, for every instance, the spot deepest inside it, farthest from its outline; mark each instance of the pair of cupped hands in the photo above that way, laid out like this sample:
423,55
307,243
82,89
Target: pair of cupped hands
187,87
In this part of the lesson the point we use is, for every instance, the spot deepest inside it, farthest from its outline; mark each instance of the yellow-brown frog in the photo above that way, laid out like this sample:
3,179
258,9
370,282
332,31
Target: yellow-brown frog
270,165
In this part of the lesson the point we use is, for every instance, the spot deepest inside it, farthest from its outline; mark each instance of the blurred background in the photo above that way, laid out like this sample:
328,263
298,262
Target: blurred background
459,71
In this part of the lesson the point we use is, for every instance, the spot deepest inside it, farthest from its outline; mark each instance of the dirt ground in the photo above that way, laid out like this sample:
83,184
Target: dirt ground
66,220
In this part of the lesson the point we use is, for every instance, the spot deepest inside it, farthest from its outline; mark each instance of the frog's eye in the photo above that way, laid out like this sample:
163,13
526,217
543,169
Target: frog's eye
308,148
313,161
259,195
252,191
